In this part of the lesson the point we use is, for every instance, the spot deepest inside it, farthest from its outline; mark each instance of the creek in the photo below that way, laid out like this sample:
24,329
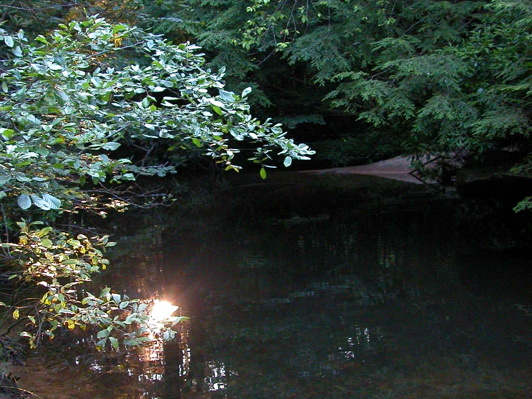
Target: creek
306,286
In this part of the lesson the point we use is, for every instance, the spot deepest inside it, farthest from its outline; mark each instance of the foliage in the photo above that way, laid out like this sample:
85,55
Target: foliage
443,77
59,264
72,99
218,27
41,16
69,101
524,204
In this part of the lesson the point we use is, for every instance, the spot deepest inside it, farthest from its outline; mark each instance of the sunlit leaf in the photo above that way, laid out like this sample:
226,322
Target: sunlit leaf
40,203
217,109
111,146
8,40
227,96
24,201
287,161
54,203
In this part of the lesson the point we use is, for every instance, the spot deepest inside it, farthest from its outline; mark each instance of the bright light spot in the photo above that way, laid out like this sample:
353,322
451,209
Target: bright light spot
162,310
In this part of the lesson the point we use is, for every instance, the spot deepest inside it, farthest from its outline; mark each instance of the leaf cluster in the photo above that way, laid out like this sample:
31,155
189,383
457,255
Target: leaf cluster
442,77
70,101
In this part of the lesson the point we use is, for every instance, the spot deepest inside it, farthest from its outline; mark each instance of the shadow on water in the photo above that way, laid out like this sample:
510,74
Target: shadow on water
333,287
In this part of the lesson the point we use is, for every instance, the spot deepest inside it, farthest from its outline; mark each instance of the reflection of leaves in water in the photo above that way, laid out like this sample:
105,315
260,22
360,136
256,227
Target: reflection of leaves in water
300,220
252,260
362,304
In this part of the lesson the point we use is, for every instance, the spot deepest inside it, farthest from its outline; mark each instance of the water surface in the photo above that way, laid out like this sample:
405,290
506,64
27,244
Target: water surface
330,287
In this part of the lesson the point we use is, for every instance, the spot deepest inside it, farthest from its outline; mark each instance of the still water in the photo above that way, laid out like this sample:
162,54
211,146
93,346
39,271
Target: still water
310,286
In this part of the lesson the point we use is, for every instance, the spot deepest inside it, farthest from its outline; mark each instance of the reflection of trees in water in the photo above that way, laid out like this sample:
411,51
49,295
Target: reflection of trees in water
390,254
344,301
376,293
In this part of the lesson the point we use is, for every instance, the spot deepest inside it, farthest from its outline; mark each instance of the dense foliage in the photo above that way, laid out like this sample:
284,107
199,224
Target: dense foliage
445,79
69,101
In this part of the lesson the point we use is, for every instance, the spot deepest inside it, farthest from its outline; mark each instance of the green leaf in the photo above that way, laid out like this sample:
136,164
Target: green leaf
24,201
62,95
47,243
17,51
263,173
40,203
73,243
100,345
216,103
53,66
7,133
217,109
287,161
111,146
119,28
8,40
103,333
114,342
44,231
41,39
53,202
4,179
227,96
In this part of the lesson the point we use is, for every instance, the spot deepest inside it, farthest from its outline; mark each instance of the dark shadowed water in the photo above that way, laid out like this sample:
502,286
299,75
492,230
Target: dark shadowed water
329,287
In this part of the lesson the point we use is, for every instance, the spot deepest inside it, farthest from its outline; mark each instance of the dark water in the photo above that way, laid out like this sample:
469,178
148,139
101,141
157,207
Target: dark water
331,287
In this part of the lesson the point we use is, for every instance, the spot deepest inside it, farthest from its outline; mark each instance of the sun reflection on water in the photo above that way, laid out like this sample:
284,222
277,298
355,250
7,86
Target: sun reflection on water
162,310
150,370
